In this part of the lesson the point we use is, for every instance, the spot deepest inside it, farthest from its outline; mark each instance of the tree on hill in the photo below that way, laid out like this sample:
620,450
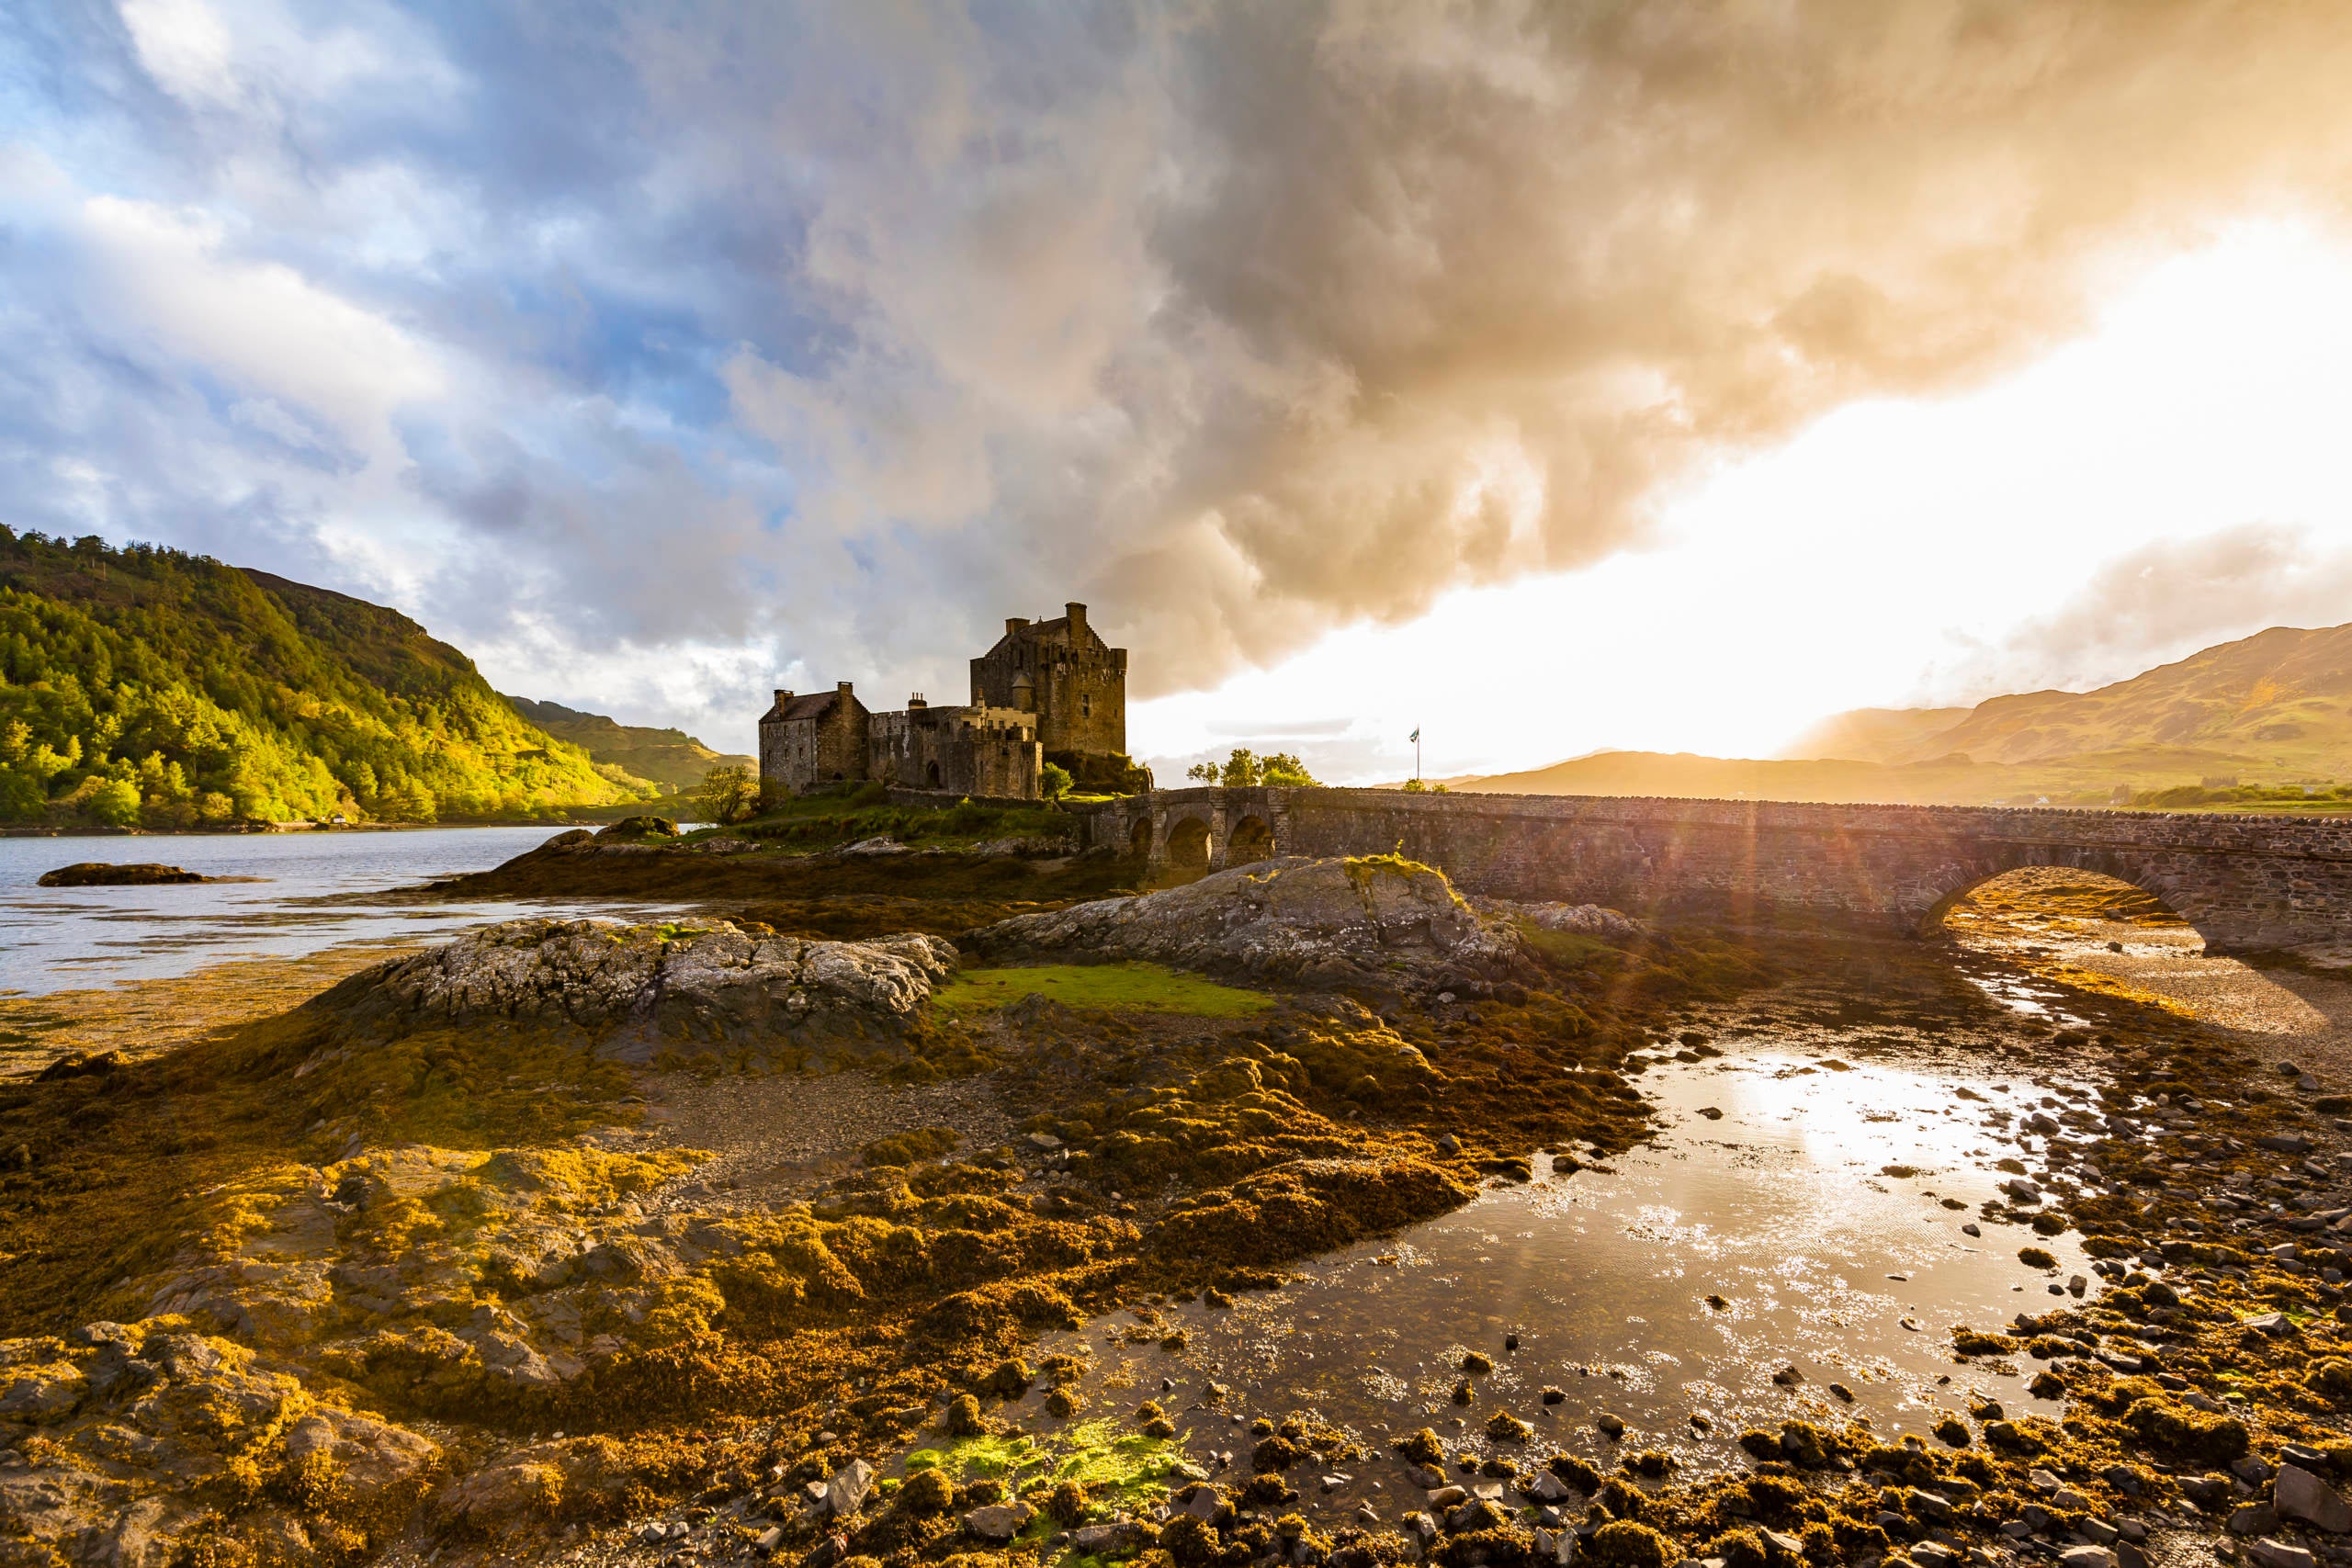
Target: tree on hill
147,686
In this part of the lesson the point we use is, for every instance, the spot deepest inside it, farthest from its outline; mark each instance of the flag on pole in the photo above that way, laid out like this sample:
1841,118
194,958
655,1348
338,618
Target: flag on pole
1416,737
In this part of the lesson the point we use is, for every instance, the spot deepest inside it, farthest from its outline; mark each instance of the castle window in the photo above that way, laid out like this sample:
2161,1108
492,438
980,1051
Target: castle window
1086,705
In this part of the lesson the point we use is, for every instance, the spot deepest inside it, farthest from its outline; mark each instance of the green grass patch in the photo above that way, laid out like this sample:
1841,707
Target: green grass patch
1118,1468
1099,988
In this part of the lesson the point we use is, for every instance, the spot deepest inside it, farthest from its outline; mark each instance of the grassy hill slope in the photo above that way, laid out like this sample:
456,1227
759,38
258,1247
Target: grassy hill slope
670,758
143,686
2263,722
2279,702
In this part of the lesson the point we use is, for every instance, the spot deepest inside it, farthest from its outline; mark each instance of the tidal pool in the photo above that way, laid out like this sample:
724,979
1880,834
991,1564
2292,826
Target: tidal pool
1812,1205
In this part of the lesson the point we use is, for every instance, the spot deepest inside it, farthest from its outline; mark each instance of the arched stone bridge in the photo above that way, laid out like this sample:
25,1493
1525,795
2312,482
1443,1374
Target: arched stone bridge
2245,882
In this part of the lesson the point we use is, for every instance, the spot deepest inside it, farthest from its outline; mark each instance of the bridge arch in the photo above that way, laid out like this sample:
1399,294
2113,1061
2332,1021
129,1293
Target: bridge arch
1140,838
1959,885
1248,841
1189,844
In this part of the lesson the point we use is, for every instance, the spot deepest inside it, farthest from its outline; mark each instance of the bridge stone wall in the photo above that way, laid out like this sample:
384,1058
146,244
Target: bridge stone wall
2246,882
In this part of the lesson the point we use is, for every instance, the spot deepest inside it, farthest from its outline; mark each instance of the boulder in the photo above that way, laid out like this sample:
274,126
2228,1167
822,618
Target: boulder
1363,921
644,990
2279,1554
2302,1496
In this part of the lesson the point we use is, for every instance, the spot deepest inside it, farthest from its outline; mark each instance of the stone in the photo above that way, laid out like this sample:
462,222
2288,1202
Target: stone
2253,1518
1043,1143
2275,1324
845,1493
998,1522
2086,1557
2279,1554
2300,1495
40,1395
1446,1497
1612,1424
1117,1535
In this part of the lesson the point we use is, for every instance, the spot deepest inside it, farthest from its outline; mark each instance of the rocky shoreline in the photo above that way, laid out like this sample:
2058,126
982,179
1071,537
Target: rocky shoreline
430,1268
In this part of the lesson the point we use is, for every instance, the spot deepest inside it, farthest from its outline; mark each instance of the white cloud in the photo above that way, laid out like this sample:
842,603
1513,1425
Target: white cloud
166,278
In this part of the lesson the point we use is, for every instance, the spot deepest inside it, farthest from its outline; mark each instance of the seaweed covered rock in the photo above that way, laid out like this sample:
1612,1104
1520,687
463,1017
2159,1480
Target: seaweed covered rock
1376,920
1308,1205
102,874
137,1424
646,990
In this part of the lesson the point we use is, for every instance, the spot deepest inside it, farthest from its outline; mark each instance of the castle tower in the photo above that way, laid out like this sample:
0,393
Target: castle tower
1064,672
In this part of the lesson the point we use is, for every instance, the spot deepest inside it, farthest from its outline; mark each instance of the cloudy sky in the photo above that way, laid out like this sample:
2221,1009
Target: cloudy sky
1547,376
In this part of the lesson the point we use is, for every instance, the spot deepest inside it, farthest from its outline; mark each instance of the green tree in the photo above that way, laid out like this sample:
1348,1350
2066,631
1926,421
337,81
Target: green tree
1054,781
1245,770
727,793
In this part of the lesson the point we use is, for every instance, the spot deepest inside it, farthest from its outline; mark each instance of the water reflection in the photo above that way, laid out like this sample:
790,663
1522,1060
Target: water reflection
1797,1213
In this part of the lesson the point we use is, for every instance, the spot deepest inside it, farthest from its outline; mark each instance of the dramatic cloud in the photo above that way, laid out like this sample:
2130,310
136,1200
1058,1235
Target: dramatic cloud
751,340
2166,601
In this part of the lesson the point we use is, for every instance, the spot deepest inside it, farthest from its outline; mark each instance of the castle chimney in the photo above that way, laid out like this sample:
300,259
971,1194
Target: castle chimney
841,688
1076,613
782,696
915,701
1014,623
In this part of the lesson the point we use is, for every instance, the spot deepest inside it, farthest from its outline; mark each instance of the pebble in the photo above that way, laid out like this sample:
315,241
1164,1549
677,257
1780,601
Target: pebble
1612,1424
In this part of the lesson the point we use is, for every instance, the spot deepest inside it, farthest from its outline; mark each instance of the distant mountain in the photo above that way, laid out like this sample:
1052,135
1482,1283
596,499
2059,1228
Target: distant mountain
2269,713
670,758
1872,735
2274,703
143,686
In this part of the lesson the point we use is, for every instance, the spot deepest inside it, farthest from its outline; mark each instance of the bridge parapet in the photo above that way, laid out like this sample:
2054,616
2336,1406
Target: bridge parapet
2244,882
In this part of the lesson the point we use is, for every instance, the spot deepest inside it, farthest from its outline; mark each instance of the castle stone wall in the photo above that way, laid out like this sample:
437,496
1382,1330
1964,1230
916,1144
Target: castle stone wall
2246,882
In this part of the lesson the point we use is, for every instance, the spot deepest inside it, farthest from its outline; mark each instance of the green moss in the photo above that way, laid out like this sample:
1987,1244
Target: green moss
1099,988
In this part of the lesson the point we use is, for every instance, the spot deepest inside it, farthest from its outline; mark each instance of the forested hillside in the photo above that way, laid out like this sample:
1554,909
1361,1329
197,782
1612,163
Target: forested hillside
670,758
145,686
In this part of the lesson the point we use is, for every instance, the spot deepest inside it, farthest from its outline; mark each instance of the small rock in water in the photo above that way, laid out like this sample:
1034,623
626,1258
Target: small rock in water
102,874
1971,1228
1787,1377
1843,1392
1612,1424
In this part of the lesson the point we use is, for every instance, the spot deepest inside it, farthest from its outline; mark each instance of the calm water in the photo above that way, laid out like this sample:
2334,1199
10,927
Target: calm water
1779,1207
317,890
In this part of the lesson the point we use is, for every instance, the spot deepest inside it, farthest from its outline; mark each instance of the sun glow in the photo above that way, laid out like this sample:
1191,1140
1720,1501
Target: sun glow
1889,555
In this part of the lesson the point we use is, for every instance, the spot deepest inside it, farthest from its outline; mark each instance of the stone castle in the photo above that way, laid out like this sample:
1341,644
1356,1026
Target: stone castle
1047,691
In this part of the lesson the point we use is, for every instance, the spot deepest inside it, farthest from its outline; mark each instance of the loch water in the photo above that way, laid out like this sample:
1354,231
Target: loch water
307,892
